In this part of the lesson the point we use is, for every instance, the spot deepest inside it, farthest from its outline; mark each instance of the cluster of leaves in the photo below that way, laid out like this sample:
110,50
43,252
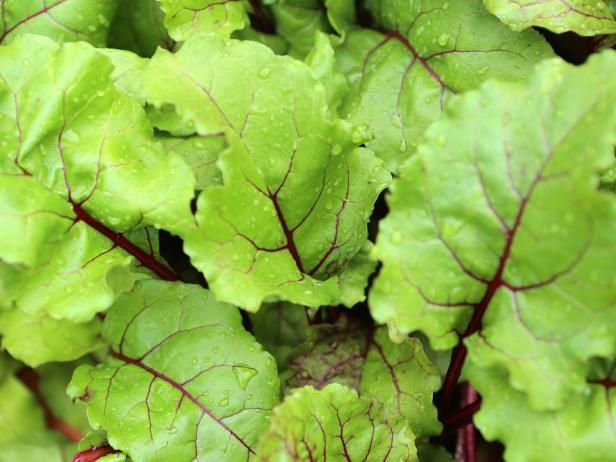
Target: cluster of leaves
261,134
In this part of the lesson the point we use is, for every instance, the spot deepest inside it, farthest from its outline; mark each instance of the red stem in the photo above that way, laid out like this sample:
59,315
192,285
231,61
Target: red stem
466,446
264,24
31,380
119,240
94,453
461,418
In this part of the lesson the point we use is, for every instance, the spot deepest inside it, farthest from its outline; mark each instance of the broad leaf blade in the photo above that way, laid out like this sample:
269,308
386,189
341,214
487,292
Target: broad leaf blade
499,219
579,16
334,424
583,430
184,380
76,151
61,20
186,18
403,75
398,375
297,193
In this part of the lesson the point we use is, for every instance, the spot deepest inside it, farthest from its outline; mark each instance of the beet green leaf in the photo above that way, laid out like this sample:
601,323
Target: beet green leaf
184,380
404,73
297,190
499,233
335,424
62,20
580,16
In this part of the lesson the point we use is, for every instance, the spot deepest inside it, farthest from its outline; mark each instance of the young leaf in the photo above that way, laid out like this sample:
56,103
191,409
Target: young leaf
61,20
185,18
579,16
184,379
498,233
334,424
398,375
297,193
80,167
403,75
583,430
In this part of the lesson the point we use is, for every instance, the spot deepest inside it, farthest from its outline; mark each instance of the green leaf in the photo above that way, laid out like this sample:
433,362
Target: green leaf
403,76
54,378
334,424
186,18
201,153
184,379
579,16
38,338
138,27
341,15
297,191
398,375
280,327
61,20
583,430
80,165
20,413
497,230
298,22
402,378
39,446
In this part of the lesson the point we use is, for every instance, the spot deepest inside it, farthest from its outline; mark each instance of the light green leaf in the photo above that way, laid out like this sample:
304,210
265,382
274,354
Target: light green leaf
497,230
20,414
280,327
403,76
583,430
298,22
127,74
322,60
61,20
38,446
201,153
354,279
54,378
186,18
297,192
402,378
334,424
79,160
138,27
398,375
184,379
38,338
579,16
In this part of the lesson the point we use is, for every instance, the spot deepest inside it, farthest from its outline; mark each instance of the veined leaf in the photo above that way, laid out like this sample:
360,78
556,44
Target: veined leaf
185,18
62,20
184,380
79,167
580,16
334,424
398,375
583,430
403,75
297,191
498,232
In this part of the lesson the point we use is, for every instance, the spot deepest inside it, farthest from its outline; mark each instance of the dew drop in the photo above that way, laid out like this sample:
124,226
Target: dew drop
264,73
443,39
224,402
